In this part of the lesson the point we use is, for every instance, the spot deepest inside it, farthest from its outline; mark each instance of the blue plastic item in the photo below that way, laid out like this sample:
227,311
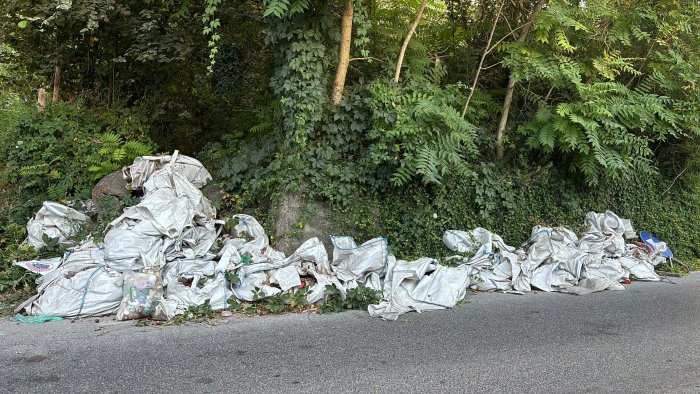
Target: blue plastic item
35,319
651,240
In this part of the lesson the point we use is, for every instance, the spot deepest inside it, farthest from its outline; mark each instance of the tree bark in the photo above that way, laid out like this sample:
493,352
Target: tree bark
500,133
414,26
507,101
56,84
41,100
344,56
110,98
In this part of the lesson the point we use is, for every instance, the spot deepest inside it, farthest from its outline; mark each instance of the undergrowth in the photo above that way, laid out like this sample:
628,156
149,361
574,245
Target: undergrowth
359,297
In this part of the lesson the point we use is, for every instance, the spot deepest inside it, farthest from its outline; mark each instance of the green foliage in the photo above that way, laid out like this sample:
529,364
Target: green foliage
612,92
258,294
333,301
414,219
115,153
211,24
337,165
195,312
56,155
250,309
243,162
52,246
142,323
418,132
148,56
234,305
14,78
232,278
679,268
298,298
11,249
60,154
361,297
362,24
294,300
299,42
358,298
251,165
277,303
285,8
493,191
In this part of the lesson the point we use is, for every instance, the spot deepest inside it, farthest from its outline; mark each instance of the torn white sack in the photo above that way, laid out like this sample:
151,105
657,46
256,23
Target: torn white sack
55,221
143,167
360,265
94,291
420,285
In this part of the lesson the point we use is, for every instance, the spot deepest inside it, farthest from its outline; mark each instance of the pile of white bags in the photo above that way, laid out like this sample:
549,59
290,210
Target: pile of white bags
555,259
167,253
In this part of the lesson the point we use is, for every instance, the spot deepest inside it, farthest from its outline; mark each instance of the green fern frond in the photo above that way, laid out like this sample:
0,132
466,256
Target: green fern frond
110,139
33,170
118,154
134,149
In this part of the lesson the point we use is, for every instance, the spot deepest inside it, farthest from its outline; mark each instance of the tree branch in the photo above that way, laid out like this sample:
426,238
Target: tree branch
500,132
414,26
369,58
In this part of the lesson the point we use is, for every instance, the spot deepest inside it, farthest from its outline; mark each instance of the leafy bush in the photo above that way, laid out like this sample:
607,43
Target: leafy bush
605,110
359,298
419,132
414,219
56,155
60,154
13,277
294,300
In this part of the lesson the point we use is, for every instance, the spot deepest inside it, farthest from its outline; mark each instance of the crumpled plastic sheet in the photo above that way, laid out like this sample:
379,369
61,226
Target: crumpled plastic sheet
56,221
38,319
555,259
420,285
81,286
143,167
494,263
309,258
167,254
172,221
360,265
591,285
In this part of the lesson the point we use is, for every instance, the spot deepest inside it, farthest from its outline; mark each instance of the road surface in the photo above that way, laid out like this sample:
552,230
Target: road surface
643,339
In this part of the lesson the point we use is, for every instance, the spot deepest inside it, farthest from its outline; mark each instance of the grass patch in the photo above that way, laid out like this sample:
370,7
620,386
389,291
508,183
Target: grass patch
680,269
10,300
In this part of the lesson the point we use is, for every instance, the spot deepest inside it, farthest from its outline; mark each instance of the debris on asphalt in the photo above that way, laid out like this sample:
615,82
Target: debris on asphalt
38,319
169,253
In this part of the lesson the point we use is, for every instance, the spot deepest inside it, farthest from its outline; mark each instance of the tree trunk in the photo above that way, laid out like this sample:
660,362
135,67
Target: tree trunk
56,84
483,57
500,133
344,56
414,26
41,100
110,98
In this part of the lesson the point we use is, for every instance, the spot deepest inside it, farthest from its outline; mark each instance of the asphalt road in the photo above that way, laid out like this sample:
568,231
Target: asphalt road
643,339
